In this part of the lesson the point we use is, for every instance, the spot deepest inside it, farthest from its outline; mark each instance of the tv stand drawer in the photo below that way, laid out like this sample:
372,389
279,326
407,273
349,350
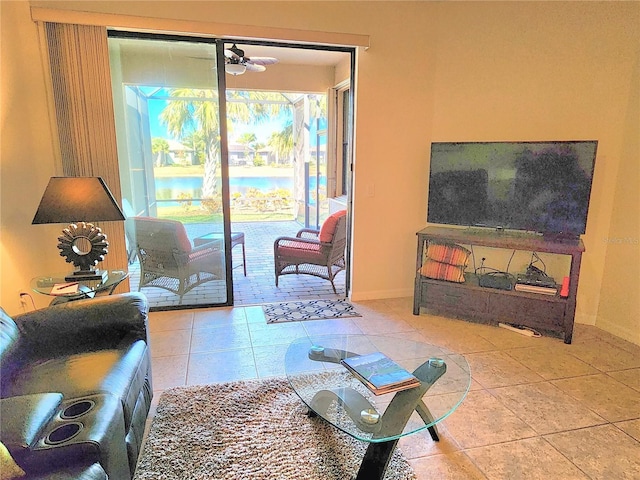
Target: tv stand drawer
490,306
454,296
521,310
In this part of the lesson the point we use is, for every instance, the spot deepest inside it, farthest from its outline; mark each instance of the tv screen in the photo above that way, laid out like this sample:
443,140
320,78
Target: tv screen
541,187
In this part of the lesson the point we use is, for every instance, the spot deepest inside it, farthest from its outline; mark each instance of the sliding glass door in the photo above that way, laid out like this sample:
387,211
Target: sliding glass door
170,119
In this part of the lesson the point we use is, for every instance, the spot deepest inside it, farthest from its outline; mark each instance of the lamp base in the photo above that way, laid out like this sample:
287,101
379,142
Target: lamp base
85,275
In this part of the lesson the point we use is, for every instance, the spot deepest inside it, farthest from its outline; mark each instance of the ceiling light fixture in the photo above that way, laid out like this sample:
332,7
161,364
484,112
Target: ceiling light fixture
235,68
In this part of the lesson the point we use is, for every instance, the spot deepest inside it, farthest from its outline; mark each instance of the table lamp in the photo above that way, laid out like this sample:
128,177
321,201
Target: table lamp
75,200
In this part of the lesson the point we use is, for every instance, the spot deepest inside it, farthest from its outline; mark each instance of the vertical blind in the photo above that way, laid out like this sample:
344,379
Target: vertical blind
81,85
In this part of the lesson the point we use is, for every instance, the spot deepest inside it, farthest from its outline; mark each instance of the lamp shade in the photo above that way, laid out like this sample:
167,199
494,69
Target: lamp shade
77,199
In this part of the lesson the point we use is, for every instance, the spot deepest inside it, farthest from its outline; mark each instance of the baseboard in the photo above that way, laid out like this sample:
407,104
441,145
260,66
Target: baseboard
584,319
628,334
380,294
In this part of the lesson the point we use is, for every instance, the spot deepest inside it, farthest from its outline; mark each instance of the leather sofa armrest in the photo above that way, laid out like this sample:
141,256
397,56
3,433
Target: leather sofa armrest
88,472
84,325
24,417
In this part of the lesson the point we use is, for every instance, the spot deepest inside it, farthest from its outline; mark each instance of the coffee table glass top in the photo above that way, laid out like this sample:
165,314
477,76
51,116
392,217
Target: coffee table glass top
329,390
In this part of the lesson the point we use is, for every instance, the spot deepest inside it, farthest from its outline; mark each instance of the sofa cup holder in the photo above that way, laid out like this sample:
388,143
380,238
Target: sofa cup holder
63,433
77,409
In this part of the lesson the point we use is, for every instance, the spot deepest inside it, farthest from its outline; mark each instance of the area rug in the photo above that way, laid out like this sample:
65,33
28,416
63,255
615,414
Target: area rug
308,310
249,430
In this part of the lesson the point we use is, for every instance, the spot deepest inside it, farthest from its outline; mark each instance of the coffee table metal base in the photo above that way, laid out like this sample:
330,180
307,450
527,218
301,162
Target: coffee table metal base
391,423
376,460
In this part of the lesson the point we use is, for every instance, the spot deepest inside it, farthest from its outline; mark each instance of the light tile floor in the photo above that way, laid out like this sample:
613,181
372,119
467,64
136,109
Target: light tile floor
537,409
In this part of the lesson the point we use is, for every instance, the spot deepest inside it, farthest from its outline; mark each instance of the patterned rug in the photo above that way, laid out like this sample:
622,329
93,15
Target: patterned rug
251,430
308,310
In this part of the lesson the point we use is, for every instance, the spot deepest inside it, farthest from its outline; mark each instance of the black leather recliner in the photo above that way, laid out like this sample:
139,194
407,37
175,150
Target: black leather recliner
75,387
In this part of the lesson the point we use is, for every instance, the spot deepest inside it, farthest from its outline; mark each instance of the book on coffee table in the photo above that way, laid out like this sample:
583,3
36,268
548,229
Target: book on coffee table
379,373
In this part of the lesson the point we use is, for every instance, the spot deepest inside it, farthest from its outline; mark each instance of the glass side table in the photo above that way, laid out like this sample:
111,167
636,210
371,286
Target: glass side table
86,288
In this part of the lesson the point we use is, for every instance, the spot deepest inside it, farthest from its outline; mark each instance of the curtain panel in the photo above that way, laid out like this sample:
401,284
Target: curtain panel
84,113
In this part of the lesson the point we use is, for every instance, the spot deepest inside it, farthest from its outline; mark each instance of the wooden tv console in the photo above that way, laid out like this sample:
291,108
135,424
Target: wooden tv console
550,314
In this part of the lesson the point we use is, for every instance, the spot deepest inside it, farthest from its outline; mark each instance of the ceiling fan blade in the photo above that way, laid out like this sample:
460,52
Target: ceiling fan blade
262,60
254,68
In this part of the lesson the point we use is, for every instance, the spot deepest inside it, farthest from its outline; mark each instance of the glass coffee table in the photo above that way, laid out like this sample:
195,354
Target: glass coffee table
330,391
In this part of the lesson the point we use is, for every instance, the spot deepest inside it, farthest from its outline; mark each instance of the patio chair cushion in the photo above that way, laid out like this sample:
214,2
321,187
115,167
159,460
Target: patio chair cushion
300,250
178,229
329,226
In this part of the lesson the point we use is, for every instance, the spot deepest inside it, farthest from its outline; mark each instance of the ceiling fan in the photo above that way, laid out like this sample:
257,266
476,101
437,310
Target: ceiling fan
236,63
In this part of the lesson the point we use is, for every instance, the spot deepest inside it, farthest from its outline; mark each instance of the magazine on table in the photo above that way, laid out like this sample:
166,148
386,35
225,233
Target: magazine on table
379,373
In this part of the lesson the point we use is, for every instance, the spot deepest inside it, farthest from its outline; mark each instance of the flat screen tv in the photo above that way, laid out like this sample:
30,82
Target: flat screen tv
541,187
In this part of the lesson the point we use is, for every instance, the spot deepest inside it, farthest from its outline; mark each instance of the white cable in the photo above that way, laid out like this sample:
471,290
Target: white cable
529,332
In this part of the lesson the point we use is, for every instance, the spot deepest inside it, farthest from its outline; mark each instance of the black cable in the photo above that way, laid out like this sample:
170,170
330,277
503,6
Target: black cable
509,262
473,259
544,266
24,294
533,270
490,271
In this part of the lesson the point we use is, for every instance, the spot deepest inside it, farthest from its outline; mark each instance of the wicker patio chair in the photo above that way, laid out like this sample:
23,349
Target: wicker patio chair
314,252
169,261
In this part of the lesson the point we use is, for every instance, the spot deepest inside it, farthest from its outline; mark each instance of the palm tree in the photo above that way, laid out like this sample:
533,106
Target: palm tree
196,110
192,110
160,149
282,142
248,140
196,142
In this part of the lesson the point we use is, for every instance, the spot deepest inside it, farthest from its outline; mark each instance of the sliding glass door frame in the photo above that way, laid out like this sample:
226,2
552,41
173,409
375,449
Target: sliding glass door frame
218,45
224,166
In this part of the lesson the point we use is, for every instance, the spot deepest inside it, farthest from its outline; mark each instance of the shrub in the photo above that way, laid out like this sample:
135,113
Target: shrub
185,200
212,205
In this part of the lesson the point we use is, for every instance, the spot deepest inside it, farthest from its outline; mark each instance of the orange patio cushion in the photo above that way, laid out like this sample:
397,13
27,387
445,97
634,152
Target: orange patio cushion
178,228
329,226
299,250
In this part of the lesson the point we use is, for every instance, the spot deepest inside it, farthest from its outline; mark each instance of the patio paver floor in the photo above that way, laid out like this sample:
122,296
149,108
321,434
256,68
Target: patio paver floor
258,286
